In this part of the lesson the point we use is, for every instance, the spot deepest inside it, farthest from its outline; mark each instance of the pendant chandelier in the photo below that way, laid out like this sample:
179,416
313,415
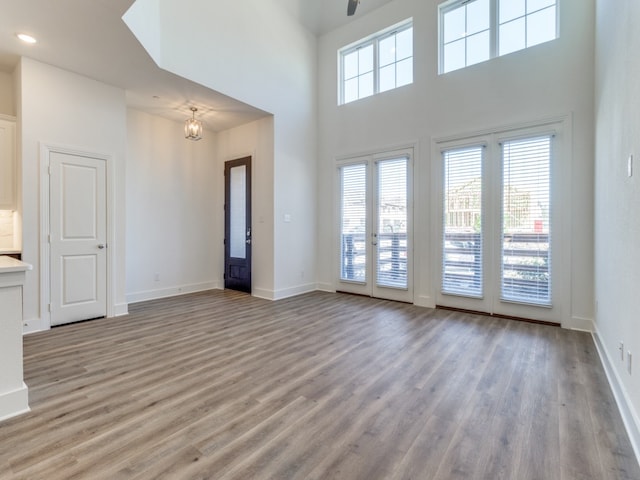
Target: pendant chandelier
193,127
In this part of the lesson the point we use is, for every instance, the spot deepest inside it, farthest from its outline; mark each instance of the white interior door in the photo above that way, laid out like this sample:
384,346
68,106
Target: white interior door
77,238
375,223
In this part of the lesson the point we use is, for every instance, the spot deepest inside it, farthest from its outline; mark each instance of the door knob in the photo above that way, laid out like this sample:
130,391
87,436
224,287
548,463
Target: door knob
248,241
101,246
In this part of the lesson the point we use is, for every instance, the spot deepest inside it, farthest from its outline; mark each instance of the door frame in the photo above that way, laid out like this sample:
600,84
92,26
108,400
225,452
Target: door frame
228,165
559,127
46,150
371,159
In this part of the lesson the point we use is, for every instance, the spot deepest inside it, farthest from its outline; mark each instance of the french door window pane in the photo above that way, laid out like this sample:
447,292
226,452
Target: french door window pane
526,236
353,222
392,224
462,218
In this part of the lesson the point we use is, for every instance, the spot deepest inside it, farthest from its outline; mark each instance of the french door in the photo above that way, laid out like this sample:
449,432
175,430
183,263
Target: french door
375,226
237,225
499,225
78,238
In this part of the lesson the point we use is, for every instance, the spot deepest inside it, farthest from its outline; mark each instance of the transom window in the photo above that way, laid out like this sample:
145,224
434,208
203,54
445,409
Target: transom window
473,31
377,64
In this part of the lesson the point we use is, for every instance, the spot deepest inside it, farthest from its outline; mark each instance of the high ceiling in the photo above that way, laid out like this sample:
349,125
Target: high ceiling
88,37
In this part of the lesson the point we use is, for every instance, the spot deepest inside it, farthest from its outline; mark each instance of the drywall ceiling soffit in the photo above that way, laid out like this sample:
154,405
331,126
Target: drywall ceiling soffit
90,38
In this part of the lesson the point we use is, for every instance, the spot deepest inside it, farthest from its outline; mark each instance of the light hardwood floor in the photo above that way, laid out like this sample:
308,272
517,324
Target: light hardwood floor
220,385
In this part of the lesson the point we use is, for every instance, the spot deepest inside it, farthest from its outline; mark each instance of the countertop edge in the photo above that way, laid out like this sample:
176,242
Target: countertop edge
10,264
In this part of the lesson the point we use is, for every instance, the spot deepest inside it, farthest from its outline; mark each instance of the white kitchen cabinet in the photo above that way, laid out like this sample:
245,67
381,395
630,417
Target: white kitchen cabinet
7,163
14,393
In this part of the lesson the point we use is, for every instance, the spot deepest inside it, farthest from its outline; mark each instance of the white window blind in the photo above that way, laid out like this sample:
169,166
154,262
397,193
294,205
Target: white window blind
462,217
392,223
353,222
526,235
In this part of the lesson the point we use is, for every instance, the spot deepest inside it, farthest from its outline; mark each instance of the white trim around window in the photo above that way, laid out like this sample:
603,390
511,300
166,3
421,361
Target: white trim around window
375,64
489,296
474,31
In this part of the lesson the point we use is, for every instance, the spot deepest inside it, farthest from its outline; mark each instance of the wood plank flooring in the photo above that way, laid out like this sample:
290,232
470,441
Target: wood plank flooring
220,385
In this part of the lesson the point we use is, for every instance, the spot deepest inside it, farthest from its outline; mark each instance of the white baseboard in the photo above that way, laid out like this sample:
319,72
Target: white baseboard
326,287
263,293
580,324
294,291
34,325
14,403
285,292
170,292
629,415
424,301
121,309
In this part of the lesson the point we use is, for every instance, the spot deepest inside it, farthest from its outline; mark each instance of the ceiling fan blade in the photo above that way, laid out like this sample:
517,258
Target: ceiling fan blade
351,6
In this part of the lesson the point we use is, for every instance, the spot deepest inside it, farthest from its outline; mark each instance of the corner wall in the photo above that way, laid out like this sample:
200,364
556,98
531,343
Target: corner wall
617,222
7,95
272,66
57,107
172,190
254,139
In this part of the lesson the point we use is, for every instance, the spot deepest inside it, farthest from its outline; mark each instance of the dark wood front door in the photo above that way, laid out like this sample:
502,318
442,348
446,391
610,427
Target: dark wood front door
237,225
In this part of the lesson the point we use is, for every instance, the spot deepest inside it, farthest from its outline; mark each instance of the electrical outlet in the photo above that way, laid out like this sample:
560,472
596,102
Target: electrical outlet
156,277
621,348
629,361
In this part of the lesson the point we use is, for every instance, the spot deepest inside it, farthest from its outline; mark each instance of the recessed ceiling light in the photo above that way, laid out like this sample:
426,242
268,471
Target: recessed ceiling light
26,38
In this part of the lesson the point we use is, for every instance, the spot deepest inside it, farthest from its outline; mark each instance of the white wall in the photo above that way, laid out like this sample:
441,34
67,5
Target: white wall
172,189
60,108
617,222
256,52
254,139
7,95
549,80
